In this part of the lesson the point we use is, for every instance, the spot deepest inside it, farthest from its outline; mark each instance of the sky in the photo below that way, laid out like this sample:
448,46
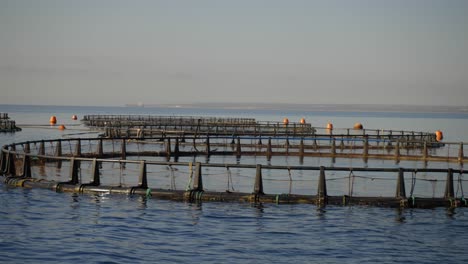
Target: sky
117,52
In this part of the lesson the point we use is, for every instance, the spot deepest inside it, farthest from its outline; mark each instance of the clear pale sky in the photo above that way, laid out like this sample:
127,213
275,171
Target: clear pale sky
114,52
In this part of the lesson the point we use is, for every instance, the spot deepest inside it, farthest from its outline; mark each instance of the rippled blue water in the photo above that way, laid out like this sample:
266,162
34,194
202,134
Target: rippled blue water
40,225
43,226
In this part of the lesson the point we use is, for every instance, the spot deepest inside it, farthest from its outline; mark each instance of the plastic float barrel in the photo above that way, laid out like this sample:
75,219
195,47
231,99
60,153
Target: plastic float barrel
439,135
358,126
53,120
329,129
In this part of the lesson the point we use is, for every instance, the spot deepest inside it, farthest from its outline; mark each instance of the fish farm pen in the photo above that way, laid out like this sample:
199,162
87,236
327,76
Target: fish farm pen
199,159
150,126
6,124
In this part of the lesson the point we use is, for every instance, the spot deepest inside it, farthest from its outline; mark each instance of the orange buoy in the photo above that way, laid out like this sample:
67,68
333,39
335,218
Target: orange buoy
53,120
61,127
74,117
303,121
439,135
358,126
285,121
329,126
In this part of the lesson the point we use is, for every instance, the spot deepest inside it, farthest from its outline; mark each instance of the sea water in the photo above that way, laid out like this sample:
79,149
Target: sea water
39,225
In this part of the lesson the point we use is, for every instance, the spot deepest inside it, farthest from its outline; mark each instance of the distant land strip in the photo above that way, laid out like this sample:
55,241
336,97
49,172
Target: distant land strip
317,107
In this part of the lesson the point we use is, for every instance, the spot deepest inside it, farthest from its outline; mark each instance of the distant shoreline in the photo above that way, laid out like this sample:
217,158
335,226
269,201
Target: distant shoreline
337,108
315,107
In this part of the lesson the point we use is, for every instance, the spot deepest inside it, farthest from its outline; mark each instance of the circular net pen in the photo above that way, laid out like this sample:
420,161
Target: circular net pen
226,169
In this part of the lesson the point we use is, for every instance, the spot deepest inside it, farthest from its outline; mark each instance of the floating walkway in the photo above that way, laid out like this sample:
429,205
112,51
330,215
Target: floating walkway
154,126
7,125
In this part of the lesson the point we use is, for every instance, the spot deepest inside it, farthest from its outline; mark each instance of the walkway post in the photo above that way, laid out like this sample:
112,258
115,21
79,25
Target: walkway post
198,180
258,187
142,179
322,186
449,193
26,166
400,188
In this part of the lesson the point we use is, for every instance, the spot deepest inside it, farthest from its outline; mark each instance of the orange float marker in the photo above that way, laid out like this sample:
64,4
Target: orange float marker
61,127
53,120
439,135
358,126
303,121
330,126
285,121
